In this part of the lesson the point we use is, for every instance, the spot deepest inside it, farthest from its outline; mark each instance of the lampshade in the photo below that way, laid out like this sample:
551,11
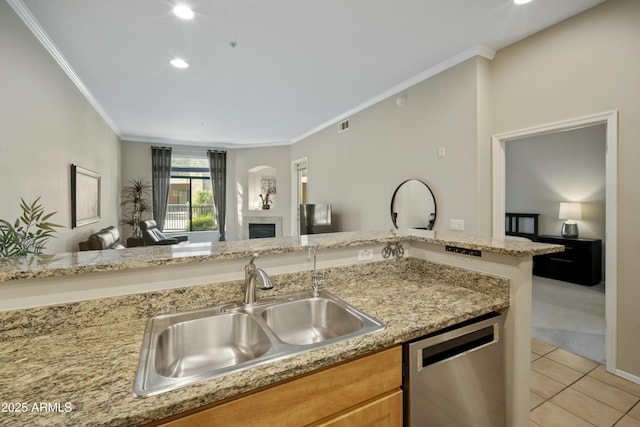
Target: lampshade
570,211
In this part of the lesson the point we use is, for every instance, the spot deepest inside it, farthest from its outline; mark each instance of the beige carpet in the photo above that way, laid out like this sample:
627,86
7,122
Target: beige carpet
570,316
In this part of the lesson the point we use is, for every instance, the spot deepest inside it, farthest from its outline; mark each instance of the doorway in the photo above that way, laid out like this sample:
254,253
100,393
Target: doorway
568,293
300,191
610,120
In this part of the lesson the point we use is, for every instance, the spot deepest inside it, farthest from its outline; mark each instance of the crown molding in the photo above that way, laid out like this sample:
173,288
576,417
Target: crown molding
200,144
32,23
478,50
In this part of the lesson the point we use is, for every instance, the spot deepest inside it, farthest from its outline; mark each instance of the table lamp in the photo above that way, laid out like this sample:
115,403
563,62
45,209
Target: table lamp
570,212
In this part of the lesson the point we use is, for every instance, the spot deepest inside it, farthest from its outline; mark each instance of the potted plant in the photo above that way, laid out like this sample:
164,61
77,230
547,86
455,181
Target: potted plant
19,239
266,201
135,203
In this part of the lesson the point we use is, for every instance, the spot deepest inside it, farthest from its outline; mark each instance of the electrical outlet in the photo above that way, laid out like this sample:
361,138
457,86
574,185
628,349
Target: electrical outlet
442,152
365,255
456,224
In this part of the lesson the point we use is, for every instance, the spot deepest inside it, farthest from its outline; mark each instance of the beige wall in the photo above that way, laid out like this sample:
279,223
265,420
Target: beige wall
483,140
238,197
585,65
46,125
358,170
136,163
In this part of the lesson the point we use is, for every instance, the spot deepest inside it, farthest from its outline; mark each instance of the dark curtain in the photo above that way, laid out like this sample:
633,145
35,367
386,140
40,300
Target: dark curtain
218,171
160,181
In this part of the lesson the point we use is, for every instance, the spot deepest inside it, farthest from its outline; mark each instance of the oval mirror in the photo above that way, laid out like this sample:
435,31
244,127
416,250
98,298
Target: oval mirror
413,206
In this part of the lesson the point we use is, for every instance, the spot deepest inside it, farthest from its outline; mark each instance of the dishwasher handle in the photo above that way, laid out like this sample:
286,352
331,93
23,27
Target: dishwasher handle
449,345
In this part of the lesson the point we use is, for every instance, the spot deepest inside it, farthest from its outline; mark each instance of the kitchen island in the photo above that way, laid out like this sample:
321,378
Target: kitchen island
79,358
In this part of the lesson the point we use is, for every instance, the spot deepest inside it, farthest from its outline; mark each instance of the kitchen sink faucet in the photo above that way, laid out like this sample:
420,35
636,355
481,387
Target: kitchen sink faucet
317,279
252,274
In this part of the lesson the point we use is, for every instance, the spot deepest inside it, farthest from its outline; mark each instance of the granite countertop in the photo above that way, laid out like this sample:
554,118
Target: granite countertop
64,264
89,371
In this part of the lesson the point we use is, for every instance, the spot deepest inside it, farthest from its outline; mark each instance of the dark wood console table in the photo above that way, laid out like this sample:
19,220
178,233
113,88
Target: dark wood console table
581,261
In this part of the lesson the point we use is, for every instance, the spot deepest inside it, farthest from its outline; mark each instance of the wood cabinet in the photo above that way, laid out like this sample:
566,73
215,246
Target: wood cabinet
385,411
362,391
581,261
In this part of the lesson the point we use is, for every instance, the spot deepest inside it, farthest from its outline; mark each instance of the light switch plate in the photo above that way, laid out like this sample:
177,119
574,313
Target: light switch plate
456,224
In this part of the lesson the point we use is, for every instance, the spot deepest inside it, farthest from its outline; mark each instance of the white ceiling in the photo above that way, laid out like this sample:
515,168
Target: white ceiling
298,65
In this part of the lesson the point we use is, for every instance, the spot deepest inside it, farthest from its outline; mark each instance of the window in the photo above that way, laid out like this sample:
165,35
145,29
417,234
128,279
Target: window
190,204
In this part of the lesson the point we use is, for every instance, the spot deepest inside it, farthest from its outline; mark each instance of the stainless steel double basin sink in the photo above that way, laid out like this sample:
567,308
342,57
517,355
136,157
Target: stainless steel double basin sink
186,348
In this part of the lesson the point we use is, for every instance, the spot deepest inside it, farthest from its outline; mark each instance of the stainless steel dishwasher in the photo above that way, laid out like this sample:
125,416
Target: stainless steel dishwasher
456,377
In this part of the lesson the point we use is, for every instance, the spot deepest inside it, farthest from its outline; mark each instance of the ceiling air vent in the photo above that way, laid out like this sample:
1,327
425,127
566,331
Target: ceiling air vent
343,126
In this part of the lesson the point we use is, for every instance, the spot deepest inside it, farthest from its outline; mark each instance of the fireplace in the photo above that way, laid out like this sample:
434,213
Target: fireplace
272,226
260,231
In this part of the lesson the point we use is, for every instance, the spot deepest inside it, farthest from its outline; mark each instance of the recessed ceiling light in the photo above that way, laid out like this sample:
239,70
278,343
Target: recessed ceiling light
179,63
183,11
521,1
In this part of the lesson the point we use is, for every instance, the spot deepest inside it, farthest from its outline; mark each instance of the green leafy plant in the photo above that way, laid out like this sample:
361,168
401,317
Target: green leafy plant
201,223
135,204
202,212
20,238
203,198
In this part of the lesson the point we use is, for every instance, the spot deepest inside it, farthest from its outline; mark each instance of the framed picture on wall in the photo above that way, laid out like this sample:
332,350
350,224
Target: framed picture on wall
85,196
268,186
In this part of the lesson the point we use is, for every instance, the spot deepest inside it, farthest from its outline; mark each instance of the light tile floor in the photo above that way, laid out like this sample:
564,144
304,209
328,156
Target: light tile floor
568,390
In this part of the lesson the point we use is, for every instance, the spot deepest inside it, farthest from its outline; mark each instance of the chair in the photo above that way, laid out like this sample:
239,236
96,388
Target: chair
107,238
153,236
